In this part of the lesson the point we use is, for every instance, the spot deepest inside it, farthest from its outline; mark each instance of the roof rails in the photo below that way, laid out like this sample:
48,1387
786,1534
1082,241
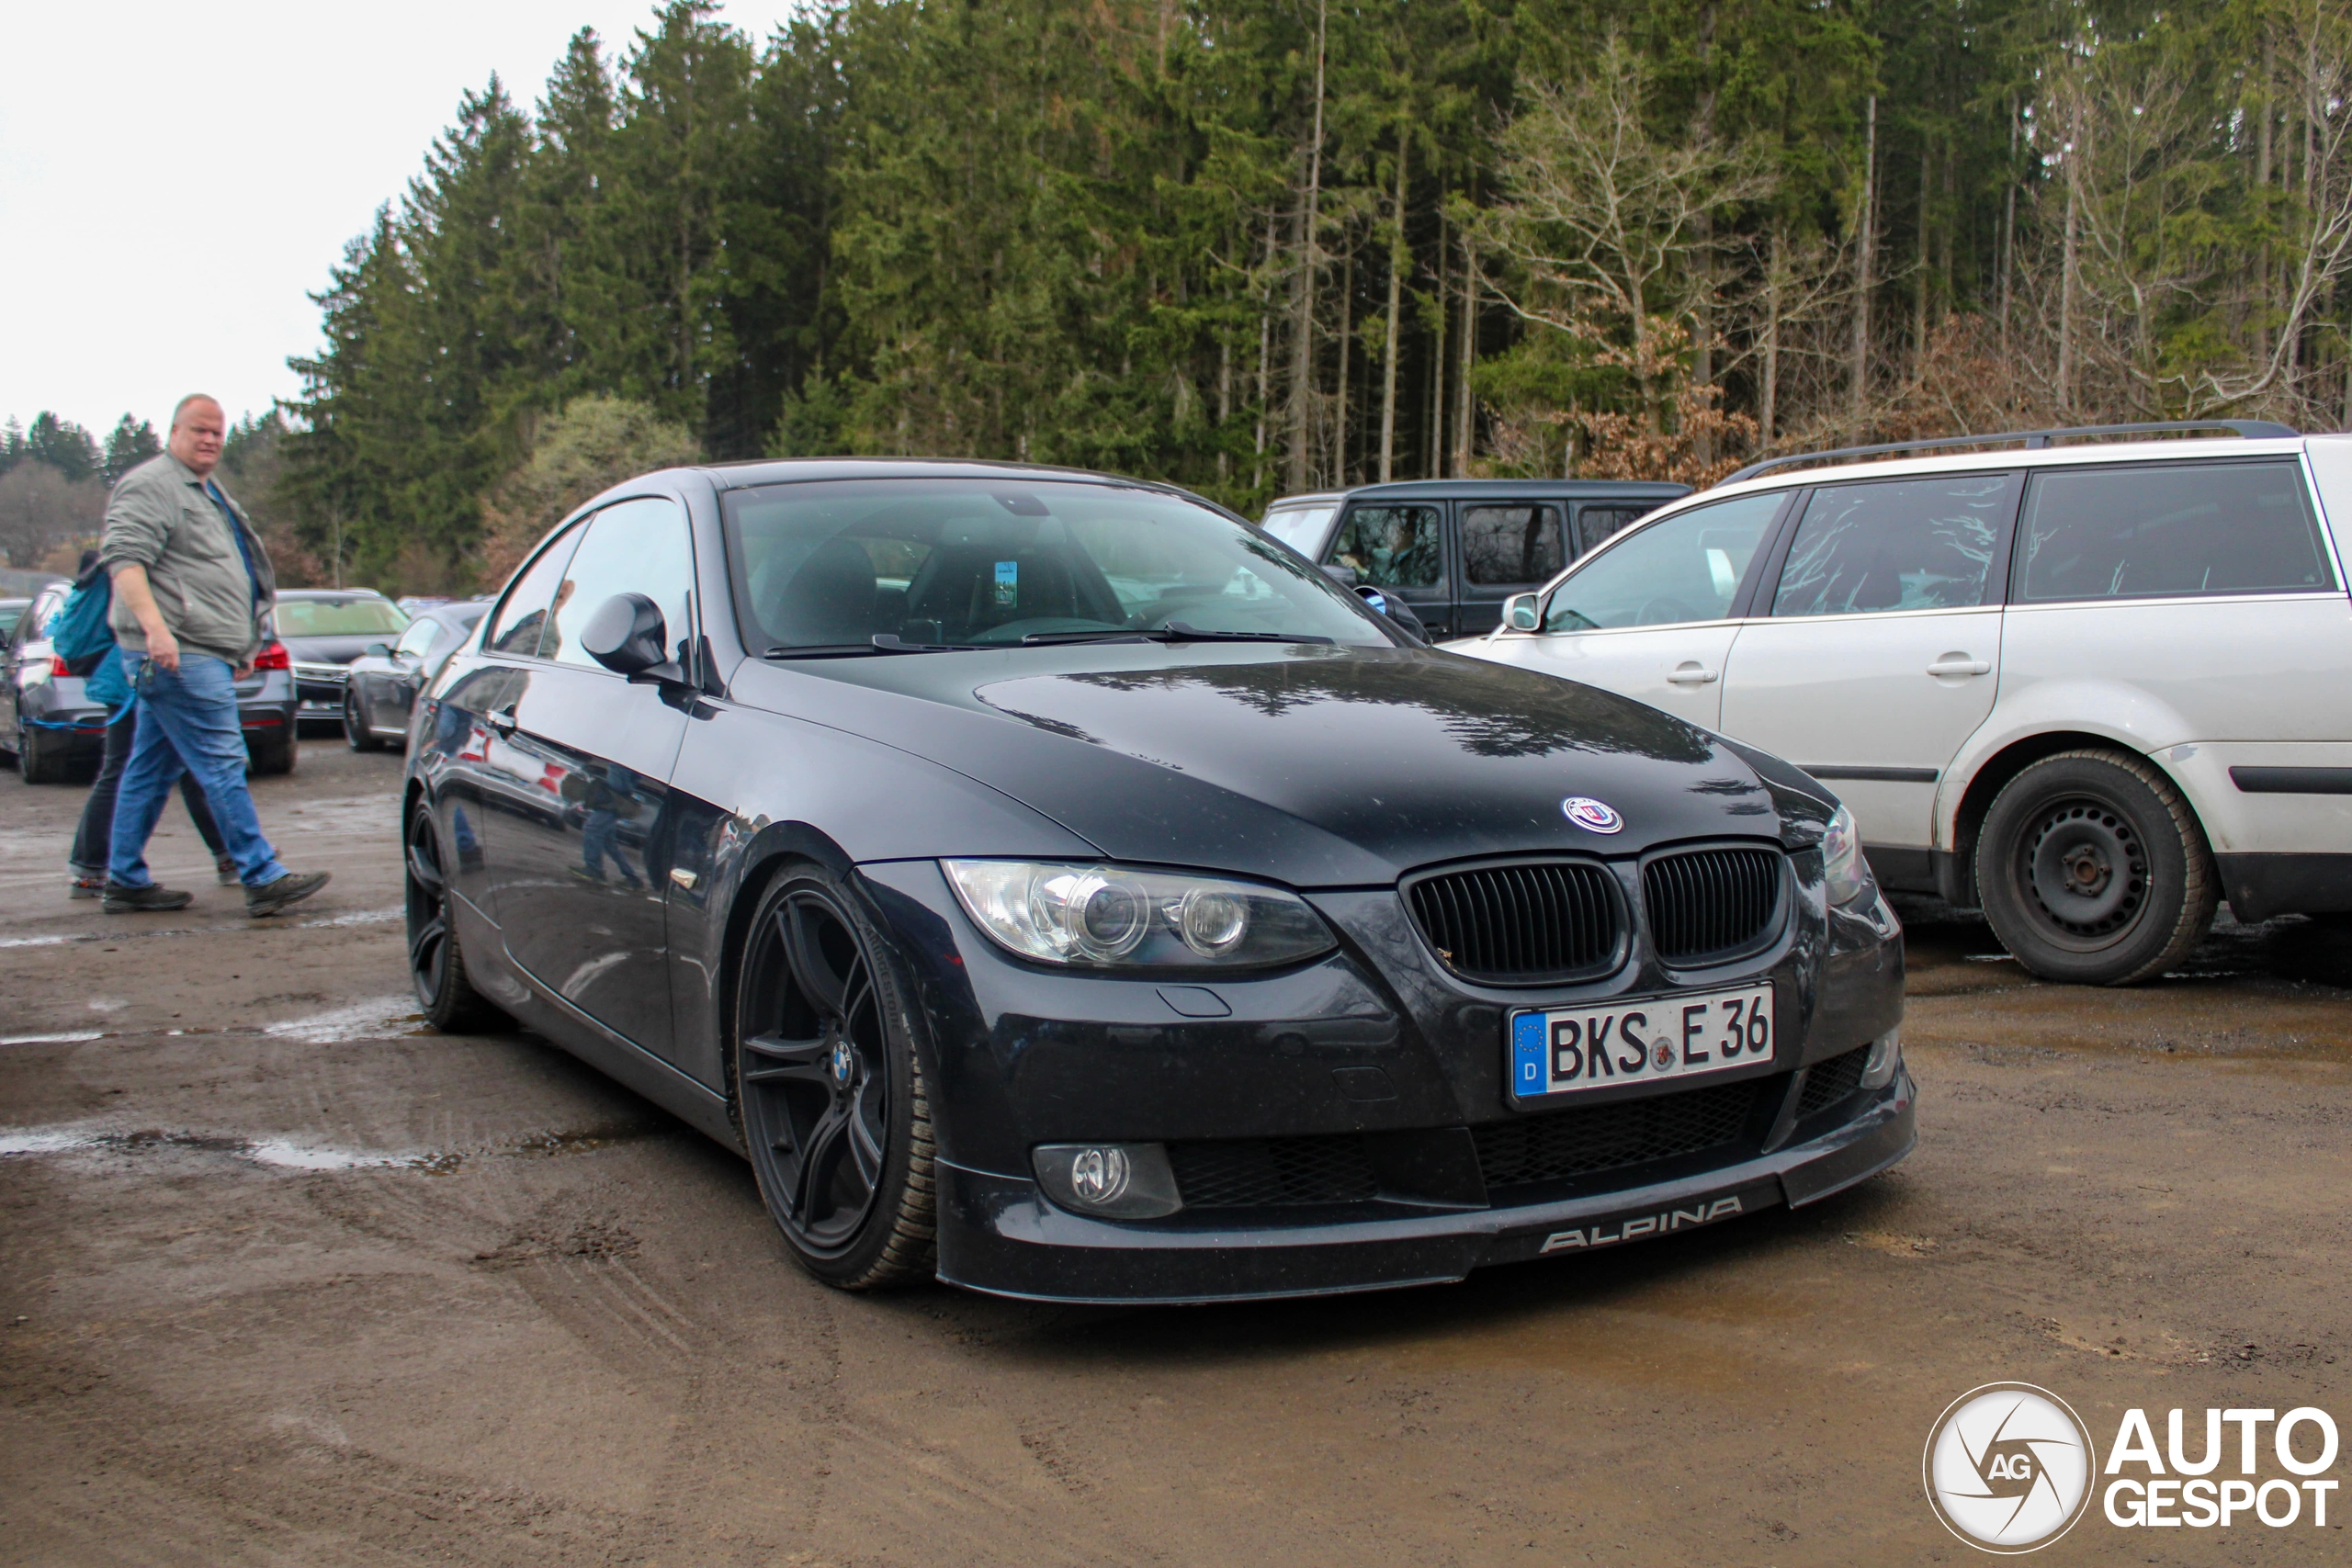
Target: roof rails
2034,440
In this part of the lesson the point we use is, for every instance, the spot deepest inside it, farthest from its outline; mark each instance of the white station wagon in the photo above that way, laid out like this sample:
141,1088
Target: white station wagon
2093,688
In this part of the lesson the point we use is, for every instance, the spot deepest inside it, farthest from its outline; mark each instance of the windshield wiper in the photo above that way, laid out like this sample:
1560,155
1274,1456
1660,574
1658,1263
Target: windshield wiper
1174,631
883,643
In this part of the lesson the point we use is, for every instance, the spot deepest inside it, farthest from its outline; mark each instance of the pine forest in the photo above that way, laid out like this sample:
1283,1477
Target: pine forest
1261,246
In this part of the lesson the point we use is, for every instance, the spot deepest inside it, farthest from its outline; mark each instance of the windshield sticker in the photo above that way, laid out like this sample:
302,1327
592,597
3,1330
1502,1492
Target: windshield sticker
1008,583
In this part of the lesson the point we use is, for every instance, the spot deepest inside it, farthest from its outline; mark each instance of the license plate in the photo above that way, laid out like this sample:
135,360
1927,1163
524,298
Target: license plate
1637,1040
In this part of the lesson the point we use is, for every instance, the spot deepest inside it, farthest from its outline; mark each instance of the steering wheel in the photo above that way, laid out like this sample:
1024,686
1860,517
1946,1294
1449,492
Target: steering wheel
1660,610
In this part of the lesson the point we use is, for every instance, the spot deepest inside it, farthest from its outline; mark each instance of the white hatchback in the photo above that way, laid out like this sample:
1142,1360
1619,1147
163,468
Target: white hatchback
2093,688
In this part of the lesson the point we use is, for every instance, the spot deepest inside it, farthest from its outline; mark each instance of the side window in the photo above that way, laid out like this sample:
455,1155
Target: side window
1509,544
417,641
632,546
1895,545
1683,567
524,614
2170,528
1391,547
1595,523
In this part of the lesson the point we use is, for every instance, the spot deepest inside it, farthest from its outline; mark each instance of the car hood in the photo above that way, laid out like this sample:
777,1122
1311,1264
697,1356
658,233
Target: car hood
1317,766
331,649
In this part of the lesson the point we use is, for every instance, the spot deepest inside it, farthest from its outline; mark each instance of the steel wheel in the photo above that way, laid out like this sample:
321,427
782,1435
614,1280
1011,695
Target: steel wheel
2092,868
436,966
830,1099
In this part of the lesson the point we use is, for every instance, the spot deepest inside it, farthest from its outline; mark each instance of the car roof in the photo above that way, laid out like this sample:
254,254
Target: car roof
756,471
327,594
1305,499
1539,490
1979,460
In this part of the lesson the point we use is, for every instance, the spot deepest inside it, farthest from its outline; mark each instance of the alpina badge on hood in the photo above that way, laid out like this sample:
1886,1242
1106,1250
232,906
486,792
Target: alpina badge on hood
1592,815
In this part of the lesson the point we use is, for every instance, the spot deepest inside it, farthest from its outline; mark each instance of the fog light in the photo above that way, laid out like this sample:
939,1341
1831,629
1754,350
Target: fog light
1114,1181
1886,1055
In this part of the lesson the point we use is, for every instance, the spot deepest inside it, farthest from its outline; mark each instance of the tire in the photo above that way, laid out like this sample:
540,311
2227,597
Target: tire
437,964
355,730
830,1092
2093,870
275,758
39,759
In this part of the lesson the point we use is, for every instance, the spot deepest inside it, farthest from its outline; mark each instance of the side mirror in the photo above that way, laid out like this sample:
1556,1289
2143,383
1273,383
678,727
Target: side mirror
1394,607
1523,612
380,650
626,636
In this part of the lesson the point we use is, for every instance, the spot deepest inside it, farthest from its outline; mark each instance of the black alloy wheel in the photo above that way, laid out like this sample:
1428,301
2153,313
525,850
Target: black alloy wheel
354,726
2093,869
831,1099
436,966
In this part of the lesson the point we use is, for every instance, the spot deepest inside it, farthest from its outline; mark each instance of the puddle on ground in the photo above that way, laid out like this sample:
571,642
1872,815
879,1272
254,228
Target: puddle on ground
68,1037
7,941
359,918
376,1018
284,1154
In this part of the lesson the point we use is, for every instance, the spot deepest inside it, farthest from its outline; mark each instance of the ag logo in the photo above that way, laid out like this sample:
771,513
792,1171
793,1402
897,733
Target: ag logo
2009,1467
1592,815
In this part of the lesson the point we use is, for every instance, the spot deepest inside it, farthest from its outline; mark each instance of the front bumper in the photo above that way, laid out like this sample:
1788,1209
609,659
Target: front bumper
998,1234
1374,1060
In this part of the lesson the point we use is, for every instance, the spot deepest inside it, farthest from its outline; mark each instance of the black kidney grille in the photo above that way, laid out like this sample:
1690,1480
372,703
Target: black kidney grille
1710,903
1826,1083
1541,921
1256,1173
1555,1145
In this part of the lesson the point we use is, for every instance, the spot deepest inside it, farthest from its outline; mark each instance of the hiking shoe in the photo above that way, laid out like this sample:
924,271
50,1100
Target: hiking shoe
121,900
290,888
225,868
86,887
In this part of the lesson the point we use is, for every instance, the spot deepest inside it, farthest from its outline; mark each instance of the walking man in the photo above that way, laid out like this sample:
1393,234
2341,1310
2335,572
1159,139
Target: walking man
192,592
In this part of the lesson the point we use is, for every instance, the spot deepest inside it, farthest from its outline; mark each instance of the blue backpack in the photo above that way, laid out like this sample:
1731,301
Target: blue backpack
79,635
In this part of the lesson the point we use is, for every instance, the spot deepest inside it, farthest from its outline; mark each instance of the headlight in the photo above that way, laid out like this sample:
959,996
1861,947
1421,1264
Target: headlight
1113,916
1844,874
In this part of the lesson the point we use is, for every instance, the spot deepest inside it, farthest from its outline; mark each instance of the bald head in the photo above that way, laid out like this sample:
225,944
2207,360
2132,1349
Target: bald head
199,429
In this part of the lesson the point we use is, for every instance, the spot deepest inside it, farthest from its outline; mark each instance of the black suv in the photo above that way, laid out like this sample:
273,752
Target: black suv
1454,550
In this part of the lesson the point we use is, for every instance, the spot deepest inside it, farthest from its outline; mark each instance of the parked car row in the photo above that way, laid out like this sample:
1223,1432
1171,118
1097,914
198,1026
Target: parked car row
56,733
380,691
2093,688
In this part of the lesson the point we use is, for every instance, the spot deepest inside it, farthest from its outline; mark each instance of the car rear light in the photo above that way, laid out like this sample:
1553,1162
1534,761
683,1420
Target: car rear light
274,657
58,669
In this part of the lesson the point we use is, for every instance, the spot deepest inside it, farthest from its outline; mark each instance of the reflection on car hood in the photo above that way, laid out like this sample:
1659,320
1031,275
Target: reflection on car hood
1321,767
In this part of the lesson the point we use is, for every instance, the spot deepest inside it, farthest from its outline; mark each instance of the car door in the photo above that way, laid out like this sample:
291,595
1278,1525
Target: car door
1877,652
579,880
1653,615
2197,602
1508,547
382,696
477,780
1398,547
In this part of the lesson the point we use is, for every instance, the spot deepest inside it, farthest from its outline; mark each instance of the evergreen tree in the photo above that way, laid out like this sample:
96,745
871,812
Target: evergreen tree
127,445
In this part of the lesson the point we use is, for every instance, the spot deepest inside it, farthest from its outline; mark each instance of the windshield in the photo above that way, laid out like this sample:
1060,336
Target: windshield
1300,527
331,618
990,562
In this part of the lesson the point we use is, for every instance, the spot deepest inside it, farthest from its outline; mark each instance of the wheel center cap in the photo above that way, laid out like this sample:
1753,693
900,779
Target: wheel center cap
2086,871
843,1061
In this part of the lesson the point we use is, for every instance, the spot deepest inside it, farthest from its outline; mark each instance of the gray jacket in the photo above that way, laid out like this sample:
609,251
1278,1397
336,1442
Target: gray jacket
160,518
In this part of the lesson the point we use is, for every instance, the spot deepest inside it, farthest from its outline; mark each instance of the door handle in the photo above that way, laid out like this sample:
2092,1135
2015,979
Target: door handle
1692,673
1960,664
502,721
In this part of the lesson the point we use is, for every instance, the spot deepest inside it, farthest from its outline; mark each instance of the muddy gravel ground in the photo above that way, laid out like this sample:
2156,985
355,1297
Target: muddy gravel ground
286,1278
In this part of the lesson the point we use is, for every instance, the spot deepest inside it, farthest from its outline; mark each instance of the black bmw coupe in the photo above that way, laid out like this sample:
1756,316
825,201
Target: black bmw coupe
1055,885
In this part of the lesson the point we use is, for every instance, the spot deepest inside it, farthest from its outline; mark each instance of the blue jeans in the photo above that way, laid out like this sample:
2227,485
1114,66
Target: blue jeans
188,722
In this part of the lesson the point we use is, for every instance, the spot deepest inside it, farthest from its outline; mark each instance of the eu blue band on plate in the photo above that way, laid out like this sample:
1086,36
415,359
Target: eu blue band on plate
1527,1074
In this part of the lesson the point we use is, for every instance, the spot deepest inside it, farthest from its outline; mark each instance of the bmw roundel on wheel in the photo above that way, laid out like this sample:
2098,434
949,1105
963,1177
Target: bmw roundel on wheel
1056,886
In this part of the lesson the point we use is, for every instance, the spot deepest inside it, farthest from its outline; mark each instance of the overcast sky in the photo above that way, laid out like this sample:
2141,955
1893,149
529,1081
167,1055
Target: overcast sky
175,178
